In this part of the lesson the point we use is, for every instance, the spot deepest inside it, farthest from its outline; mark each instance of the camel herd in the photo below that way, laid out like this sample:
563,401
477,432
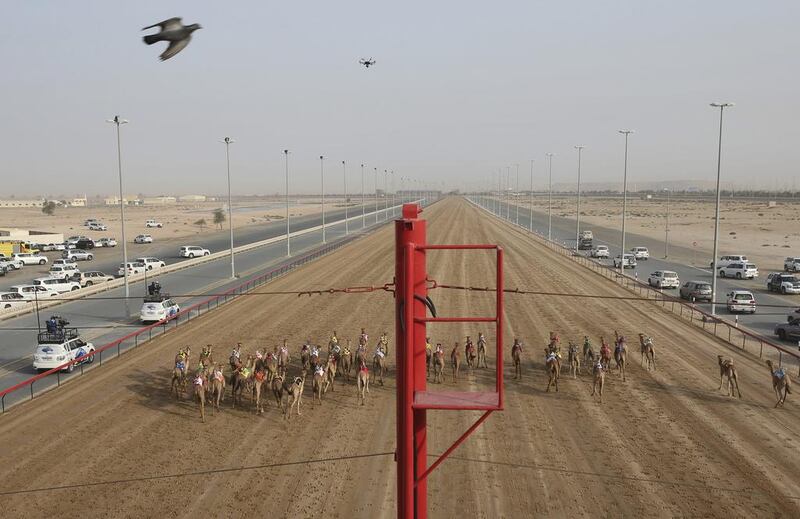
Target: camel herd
599,363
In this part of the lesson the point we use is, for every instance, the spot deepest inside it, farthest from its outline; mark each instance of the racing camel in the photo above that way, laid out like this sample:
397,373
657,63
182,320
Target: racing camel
516,355
554,347
587,349
206,358
305,356
551,364
179,378
217,386
605,353
455,361
599,375
620,355
295,391
648,351
727,369
362,381
470,353
283,358
574,360
428,357
318,381
347,360
438,364
482,351
259,381
330,373
199,383
277,391
242,379
379,364
780,383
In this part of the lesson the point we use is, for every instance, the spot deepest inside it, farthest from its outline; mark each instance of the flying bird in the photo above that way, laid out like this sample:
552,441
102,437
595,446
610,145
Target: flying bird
367,62
173,31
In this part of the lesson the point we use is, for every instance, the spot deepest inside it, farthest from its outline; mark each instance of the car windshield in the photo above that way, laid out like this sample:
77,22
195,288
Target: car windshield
751,266
670,275
703,286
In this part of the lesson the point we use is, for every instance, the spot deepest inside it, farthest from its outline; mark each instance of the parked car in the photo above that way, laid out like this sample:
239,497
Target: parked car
49,247
696,291
628,262
11,263
789,330
791,264
143,238
55,349
783,283
31,292
30,258
134,267
741,301
664,279
724,261
153,223
64,261
600,251
65,271
9,300
85,244
151,263
93,277
106,242
739,271
191,251
97,226
72,240
157,308
640,253
77,255
60,285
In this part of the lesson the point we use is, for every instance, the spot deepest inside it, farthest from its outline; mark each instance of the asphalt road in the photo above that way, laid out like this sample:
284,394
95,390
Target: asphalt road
563,231
104,317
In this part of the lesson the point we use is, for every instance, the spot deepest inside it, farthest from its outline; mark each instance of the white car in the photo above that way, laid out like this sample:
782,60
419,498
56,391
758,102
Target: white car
57,284
55,349
65,271
30,258
77,255
739,271
664,279
48,247
31,292
600,251
133,268
741,301
10,300
629,261
106,242
93,277
64,261
158,309
192,251
143,238
640,253
97,226
11,263
151,263
153,223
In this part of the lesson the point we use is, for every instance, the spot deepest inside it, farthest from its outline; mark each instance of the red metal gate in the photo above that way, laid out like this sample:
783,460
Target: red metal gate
413,400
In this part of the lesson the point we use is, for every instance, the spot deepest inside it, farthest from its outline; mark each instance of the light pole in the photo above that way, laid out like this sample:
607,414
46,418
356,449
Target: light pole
346,201
530,216
322,185
119,121
508,193
376,193
721,107
550,197
666,228
516,201
363,203
288,242
499,192
626,133
385,197
578,209
228,141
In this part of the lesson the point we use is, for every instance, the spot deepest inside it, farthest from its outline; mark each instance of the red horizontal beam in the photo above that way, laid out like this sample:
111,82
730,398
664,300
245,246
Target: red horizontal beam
458,247
455,319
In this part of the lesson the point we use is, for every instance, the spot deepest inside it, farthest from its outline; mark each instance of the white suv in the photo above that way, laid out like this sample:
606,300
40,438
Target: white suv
640,253
31,292
600,251
134,267
664,279
11,300
151,263
59,285
97,226
158,310
791,264
55,349
739,271
143,238
30,258
77,255
65,271
191,251
629,262
153,223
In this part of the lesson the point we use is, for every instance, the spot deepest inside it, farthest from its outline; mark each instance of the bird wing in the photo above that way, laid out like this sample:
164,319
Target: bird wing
174,48
167,25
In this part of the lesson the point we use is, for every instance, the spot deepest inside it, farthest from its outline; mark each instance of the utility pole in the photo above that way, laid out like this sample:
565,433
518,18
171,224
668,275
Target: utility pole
578,209
721,107
626,133
228,141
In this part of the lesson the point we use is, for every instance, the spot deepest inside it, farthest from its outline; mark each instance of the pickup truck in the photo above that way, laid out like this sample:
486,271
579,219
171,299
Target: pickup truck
783,283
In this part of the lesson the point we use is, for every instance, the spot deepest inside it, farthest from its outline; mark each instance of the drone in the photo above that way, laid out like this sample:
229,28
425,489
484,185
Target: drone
367,62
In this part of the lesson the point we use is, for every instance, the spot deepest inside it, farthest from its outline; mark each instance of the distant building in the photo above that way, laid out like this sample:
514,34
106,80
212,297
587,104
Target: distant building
127,199
160,200
25,235
78,202
192,198
13,202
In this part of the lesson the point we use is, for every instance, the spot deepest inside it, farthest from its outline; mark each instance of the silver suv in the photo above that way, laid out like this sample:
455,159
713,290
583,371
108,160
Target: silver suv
696,291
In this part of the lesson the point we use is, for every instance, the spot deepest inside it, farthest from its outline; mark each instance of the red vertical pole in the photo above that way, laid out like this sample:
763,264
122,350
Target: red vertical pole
500,324
410,274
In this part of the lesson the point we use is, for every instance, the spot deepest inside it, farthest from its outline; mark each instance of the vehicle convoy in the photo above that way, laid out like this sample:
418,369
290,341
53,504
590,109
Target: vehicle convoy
59,345
153,223
34,292
739,270
11,263
741,301
10,300
627,261
587,235
85,244
640,253
791,264
664,279
192,251
783,283
157,305
64,271
600,251
696,291
60,285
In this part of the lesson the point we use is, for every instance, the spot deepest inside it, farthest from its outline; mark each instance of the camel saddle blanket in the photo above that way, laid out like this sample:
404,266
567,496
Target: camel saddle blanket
198,381
218,375
180,365
363,369
779,373
260,376
550,357
319,371
245,372
380,354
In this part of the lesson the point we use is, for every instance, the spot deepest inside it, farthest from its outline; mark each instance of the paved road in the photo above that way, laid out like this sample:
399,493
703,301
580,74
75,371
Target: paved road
563,231
104,318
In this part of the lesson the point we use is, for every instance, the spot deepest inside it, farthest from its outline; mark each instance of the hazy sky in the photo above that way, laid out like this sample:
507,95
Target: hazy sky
459,90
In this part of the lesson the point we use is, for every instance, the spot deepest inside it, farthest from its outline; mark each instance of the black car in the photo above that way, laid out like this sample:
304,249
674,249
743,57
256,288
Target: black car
84,244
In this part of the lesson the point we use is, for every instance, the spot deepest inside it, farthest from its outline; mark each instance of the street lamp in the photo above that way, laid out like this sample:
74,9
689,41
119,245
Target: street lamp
550,197
508,193
228,141
288,242
385,197
626,133
666,227
322,185
530,216
578,209
721,107
363,204
118,121
376,193
346,202
516,201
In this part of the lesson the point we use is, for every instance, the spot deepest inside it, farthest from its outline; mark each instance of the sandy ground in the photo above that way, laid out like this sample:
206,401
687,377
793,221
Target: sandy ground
664,443
179,220
765,234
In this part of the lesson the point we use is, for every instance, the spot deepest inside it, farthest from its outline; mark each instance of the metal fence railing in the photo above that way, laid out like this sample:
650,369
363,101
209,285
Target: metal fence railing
720,328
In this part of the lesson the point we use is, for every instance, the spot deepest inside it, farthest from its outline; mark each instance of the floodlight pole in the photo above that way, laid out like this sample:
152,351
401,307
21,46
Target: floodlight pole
578,208
119,121
550,197
288,240
721,107
346,202
228,141
530,216
322,186
626,133
363,203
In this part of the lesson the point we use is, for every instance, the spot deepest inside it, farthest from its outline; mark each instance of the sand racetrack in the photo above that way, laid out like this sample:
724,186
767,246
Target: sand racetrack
663,443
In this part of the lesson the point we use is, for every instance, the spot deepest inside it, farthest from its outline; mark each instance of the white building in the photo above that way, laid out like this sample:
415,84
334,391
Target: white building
13,202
